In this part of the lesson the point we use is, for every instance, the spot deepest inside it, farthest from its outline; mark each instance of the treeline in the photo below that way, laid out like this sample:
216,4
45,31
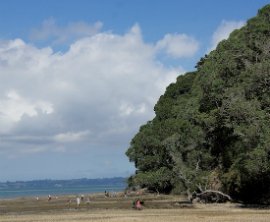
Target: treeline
212,127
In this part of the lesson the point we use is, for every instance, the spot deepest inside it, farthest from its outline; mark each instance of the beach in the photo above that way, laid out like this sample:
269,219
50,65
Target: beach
153,215
120,208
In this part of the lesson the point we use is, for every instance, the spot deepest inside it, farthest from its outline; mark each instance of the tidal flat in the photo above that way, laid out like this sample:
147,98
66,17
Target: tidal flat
97,207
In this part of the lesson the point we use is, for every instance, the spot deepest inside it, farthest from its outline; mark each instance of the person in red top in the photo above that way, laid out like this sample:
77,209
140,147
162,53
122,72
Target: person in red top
138,205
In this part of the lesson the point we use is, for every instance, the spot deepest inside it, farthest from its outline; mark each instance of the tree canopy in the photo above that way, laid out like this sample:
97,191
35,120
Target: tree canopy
212,127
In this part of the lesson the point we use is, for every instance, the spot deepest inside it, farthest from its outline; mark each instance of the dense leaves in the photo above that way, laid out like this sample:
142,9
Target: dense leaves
212,127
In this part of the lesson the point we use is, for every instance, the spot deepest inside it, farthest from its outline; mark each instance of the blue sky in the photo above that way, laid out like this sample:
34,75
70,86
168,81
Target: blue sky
78,78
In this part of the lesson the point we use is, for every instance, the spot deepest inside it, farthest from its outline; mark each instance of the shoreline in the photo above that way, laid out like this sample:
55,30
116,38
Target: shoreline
52,195
59,187
90,201
66,191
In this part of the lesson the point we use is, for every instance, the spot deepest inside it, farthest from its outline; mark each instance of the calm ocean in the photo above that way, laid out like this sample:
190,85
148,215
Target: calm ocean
6,193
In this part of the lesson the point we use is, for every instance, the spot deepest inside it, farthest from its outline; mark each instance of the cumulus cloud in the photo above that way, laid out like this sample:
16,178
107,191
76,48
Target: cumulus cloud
71,136
223,31
178,45
128,109
50,30
93,96
13,107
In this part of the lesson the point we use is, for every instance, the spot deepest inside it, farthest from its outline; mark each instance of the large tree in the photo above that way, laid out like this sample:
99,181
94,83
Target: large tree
212,127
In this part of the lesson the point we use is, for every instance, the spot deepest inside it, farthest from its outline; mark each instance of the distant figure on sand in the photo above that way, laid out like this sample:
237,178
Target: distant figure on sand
87,202
49,197
138,205
78,201
69,203
82,197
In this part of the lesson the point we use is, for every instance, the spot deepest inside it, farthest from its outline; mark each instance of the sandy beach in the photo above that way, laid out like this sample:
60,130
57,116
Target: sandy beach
119,208
147,215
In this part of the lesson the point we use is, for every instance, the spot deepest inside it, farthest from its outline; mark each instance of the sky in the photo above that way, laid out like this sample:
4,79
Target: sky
78,78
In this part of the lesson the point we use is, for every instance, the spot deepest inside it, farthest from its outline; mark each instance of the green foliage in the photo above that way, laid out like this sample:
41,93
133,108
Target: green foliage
158,180
211,129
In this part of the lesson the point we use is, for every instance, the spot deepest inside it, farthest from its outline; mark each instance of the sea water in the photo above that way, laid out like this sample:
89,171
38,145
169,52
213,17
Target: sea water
7,193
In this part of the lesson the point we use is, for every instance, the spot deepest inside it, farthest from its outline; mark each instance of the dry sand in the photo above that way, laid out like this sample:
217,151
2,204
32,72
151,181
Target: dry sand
146,215
156,209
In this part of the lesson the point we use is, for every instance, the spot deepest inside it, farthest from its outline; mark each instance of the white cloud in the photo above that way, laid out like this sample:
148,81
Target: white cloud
95,95
178,45
13,107
71,136
126,109
223,31
75,30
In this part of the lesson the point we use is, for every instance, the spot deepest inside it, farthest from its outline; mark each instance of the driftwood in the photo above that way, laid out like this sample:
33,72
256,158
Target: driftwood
211,196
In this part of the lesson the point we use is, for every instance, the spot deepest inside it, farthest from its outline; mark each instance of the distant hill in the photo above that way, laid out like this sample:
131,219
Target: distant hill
212,127
63,183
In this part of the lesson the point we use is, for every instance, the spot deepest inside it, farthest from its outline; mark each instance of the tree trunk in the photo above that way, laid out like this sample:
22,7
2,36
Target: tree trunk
211,196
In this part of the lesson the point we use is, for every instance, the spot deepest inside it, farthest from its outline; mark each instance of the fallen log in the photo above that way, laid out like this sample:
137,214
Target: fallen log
211,196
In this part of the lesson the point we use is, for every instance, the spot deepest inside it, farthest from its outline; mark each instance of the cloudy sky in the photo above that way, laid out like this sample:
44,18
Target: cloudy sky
78,78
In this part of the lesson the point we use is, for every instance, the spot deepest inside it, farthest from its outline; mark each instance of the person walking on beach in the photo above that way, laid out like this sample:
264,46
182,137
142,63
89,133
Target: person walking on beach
78,201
